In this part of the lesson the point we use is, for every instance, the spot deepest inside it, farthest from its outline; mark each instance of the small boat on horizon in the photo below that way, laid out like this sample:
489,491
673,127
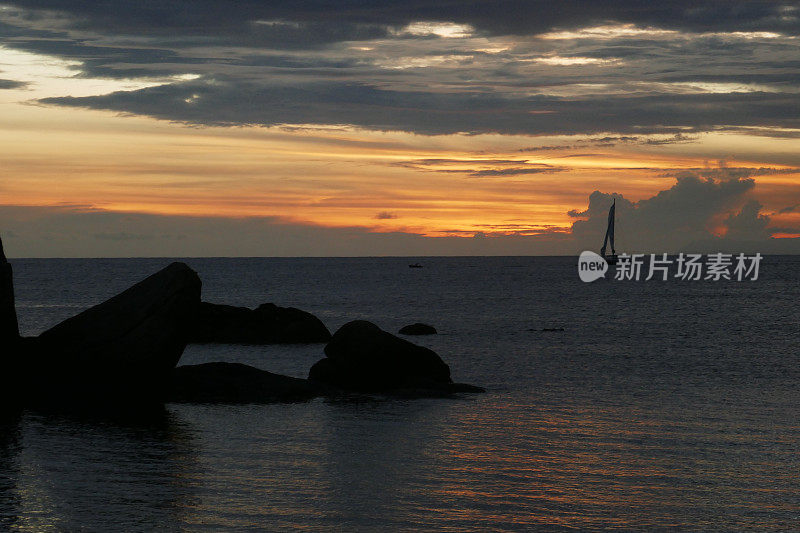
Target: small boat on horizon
612,258
414,265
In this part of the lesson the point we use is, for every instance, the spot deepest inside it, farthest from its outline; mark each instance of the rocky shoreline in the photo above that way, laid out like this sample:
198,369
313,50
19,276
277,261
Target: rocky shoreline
128,348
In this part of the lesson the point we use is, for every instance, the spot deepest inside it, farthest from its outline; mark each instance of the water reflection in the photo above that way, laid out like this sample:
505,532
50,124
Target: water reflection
386,453
63,470
9,450
503,462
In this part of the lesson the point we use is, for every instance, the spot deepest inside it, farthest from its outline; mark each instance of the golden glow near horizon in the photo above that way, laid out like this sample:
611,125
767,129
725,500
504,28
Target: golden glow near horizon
342,176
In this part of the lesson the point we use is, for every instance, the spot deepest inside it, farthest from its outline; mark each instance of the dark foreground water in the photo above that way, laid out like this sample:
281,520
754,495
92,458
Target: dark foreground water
661,405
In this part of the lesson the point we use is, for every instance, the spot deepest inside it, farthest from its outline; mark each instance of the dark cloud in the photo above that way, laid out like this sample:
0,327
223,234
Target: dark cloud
749,223
548,148
385,215
760,132
230,18
417,163
314,62
614,140
516,171
184,23
678,138
11,84
496,167
226,102
724,172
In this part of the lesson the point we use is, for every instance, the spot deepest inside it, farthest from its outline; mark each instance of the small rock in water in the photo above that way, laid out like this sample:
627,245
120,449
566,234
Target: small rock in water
418,329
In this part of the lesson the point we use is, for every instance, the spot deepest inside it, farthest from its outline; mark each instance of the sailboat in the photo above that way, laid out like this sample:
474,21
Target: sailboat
612,258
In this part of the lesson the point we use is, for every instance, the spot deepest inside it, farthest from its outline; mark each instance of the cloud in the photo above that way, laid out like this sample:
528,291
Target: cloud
228,102
614,140
748,224
231,19
678,138
429,68
607,74
689,211
724,172
12,84
481,168
549,147
695,214
515,171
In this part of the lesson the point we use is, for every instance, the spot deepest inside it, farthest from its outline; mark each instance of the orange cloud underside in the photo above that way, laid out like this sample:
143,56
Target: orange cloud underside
448,185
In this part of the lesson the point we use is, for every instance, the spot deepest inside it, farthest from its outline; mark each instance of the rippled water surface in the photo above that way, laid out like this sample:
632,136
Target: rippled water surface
661,405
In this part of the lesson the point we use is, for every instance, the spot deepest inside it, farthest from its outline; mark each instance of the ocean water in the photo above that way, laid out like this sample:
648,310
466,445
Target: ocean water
662,405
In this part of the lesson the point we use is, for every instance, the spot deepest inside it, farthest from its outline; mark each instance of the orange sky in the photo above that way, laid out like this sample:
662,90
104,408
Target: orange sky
337,176
348,176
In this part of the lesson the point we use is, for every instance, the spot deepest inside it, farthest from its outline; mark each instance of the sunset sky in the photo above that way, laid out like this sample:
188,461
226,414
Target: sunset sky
246,128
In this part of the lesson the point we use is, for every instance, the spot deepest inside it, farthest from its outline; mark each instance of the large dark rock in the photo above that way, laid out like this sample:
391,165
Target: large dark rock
9,328
363,357
134,339
268,324
418,329
237,383
10,342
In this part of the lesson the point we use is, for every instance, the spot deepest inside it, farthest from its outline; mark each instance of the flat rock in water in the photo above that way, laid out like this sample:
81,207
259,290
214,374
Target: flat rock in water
362,357
236,383
418,329
268,324
136,337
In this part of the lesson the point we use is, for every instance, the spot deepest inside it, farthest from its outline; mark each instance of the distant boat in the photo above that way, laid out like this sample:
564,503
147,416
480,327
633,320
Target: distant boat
415,265
612,258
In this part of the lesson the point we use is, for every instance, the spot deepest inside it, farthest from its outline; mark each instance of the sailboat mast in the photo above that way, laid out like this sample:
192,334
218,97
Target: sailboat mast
611,221
609,231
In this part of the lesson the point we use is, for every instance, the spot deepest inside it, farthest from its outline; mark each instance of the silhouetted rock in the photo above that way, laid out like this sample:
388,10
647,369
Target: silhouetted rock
126,350
268,324
237,383
10,358
418,329
9,328
363,357
135,338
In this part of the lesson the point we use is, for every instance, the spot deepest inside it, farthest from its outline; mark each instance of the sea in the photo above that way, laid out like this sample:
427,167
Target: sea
662,405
